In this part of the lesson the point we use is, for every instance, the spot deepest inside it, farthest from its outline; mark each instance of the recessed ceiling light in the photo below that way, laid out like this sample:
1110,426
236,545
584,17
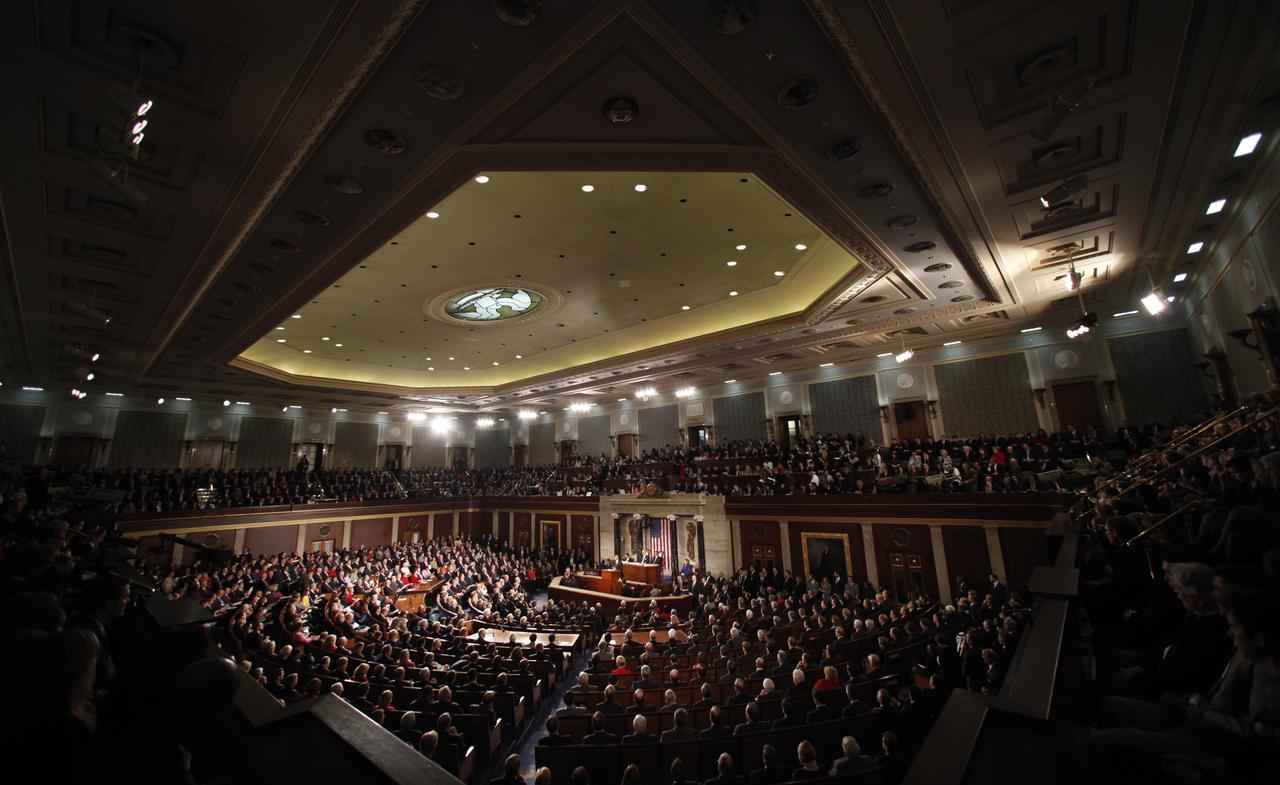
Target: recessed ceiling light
730,381
30,388
775,373
952,343
432,214
620,400
1124,313
885,354
226,403
466,367
381,412
114,395
733,294
1180,277
801,246
731,263
1248,144
180,398
1170,298
279,328
306,351
450,358
338,345
429,368
684,307
1195,247
495,362
826,365
1031,329
243,403
281,340
297,316
641,187
741,246
1216,206
779,273
482,178
325,338
519,356
588,188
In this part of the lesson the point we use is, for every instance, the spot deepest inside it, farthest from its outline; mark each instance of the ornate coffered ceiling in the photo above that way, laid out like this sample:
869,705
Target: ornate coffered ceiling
291,172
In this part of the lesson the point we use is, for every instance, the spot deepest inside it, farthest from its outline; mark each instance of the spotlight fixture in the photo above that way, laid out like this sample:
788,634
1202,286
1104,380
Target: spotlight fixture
482,178
284,408
1061,106
1180,277
484,422
114,395
243,403
731,263
32,388
333,410
588,189
641,187
1065,190
779,273
686,392
126,126
159,402
730,381
1083,325
1154,302
432,214
180,398
440,425
526,414
580,406
416,417
740,247
801,247
1195,247
74,393
904,355
645,393
226,403
1247,144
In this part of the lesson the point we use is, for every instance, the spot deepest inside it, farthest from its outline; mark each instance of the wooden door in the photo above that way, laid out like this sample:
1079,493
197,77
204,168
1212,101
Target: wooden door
909,419
764,556
1076,403
72,452
697,435
521,456
208,454
459,453
788,431
907,571
393,455
626,445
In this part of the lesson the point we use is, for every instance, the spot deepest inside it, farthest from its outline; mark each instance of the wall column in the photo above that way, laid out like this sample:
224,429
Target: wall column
996,552
456,515
869,551
431,526
785,534
346,534
940,561
495,523
302,539
735,537
239,544
395,529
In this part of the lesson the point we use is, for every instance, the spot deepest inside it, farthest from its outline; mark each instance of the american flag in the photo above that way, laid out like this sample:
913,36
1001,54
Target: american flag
660,541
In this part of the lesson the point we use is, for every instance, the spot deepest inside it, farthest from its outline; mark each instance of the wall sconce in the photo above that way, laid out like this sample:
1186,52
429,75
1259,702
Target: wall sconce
884,414
1039,394
933,408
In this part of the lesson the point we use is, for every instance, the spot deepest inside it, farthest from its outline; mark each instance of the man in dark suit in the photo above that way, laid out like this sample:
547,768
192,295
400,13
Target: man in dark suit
730,673
856,705
761,672
669,701
717,729
681,731
511,772
753,723
706,701
646,682
554,737
639,732
770,773
798,685
571,707
853,761
823,710
724,772
783,669
609,705
638,706
598,734
584,683
998,591
791,717
740,695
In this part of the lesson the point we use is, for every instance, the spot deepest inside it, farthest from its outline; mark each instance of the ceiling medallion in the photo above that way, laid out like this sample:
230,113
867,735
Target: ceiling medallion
440,82
620,109
874,298
285,246
878,190
519,13
1045,64
904,311
344,185
950,284
845,148
730,17
937,268
902,221
922,246
385,141
311,218
798,93
962,298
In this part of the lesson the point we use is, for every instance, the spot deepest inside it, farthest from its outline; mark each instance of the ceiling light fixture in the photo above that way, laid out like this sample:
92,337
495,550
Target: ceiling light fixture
885,354
519,356
779,273
306,351
730,381
333,410
1195,247
620,400
580,406
159,402
94,357
432,214
686,392
440,425
285,408
325,338
1247,144
180,398
1124,313
588,188
1180,277
641,187
281,340
1060,108
684,307
484,422
953,343
731,263
733,294
775,373
740,247
114,395
1031,329
1216,206
1065,190
88,377
482,178
905,354
297,316
1154,301
801,247
645,393
338,345
279,328
526,414
416,416
825,365
243,403
226,403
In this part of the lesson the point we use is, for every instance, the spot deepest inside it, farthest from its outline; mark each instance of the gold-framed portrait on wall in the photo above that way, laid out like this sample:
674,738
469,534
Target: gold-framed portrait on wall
550,534
825,553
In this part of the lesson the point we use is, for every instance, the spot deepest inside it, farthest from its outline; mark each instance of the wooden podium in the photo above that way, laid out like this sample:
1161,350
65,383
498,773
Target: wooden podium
638,572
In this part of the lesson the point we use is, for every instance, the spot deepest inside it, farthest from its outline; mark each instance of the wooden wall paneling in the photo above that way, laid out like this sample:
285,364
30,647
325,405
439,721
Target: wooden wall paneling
1024,550
967,556
411,525
222,538
765,534
271,539
504,527
318,532
523,530
372,532
584,533
444,525
857,557
913,540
